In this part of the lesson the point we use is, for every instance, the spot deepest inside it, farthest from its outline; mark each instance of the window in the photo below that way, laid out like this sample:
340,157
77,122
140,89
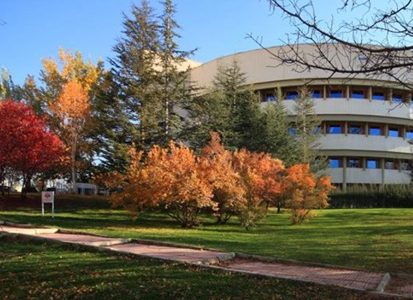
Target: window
334,162
292,131
372,163
353,163
389,164
394,132
291,95
269,97
357,94
316,94
404,165
409,134
336,94
334,129
316,130
377,96
375,130
355,129
397,98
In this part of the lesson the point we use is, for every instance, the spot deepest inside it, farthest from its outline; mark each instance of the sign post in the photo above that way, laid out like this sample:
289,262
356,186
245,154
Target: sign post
48,197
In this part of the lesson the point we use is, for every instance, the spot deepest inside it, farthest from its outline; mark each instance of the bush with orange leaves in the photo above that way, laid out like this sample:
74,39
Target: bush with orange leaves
172,178
305,192
261,177
241,183
228,192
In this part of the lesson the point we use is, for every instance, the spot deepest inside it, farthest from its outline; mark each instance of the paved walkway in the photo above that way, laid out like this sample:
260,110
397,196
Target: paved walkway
340,277
359,280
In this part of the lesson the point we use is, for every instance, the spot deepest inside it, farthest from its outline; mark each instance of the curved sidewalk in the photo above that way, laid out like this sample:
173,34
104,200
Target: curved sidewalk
352,279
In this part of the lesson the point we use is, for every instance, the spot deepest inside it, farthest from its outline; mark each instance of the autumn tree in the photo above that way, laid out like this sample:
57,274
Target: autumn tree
305,192
8,89
171,178
27,146
260,178
68,93
228,193
72,109
181,183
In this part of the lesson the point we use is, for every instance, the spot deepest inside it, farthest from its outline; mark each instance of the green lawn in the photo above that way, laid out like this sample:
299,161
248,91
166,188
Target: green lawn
39,270
374,239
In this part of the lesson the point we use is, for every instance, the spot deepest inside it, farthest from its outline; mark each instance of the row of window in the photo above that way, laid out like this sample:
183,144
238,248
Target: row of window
339,92
360,128
368,163
366,128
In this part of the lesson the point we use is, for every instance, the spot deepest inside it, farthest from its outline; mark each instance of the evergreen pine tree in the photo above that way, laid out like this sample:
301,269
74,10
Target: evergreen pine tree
307,127
134,72
274,137
112,132
174,88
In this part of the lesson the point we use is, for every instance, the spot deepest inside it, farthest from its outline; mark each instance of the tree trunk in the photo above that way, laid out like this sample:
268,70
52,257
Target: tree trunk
26,186
2,178
73,164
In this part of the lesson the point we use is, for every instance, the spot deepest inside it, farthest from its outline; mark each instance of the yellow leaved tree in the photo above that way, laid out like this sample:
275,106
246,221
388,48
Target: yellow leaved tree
69,91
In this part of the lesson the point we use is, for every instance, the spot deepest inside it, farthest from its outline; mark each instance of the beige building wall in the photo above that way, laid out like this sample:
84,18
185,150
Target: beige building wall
262,71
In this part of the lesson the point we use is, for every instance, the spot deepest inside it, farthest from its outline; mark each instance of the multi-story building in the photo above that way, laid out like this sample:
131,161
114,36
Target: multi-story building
366,123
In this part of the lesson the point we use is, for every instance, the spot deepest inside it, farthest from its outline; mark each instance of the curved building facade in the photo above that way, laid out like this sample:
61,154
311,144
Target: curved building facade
366,123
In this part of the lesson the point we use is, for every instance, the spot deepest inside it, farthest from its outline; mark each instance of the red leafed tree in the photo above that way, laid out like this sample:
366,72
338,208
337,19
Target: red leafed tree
27,146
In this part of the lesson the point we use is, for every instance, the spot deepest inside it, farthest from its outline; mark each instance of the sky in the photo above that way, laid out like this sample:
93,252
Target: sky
31,30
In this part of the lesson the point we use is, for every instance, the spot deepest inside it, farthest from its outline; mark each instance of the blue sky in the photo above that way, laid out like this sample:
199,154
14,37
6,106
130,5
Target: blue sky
35,29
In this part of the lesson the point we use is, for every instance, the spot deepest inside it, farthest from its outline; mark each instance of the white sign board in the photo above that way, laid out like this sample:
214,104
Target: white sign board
48,197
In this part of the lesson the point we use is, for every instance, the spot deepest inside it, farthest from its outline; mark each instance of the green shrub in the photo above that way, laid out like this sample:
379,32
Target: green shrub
370,196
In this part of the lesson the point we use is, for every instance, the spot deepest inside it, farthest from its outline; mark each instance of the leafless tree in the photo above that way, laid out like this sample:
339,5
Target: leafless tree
377,41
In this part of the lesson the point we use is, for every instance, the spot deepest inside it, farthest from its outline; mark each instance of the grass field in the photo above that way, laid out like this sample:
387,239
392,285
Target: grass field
40,270
373,239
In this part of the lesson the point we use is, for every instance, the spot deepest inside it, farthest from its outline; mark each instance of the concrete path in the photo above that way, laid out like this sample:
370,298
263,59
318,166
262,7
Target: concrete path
193,256
341,277
353,279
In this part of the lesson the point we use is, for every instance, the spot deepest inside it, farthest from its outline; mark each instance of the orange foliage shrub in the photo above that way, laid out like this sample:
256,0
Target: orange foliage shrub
228,193
172,178
227,183
305,192
261,181
179,182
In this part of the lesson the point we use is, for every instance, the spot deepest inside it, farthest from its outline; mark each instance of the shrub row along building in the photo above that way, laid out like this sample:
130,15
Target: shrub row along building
366,123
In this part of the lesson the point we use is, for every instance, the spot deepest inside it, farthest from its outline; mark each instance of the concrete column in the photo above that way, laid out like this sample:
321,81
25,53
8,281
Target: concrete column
382,171
344,174
403,132
347,91
370,93
363,162
366,129
346,128
386,130
325,127
390,94
324,92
